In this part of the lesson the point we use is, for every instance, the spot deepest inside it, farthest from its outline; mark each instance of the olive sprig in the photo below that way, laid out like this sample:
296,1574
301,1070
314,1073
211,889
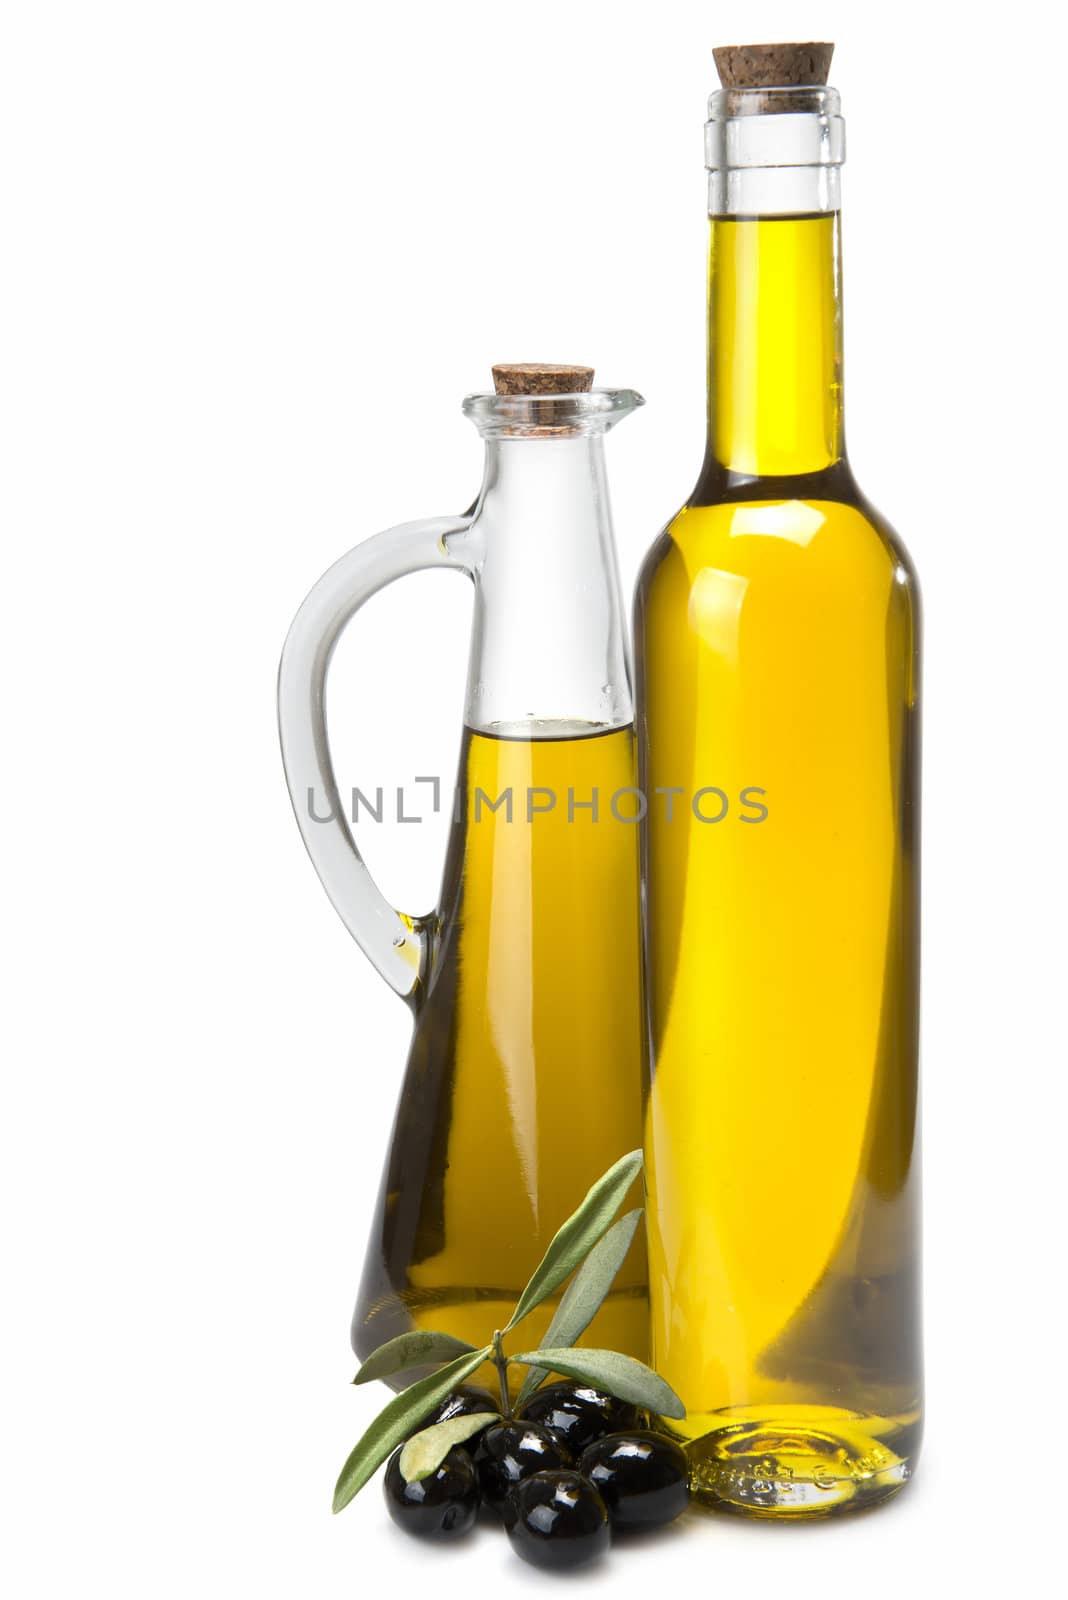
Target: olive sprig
591,1244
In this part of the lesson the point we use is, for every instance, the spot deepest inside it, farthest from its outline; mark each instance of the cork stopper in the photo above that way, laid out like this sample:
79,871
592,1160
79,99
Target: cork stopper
538,377
772,66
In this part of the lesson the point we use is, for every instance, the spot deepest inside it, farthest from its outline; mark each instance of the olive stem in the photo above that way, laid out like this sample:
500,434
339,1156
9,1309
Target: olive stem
501,1362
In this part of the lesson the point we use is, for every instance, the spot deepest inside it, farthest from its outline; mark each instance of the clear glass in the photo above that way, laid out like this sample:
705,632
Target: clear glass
777,640
523,1081
774,152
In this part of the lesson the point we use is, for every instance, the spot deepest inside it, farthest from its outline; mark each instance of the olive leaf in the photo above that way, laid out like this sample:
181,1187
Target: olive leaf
583,1296
621,1375
579,1234
416,1349
393,1424
424,1452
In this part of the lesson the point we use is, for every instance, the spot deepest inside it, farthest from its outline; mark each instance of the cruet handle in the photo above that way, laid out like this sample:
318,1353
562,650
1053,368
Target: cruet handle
395,944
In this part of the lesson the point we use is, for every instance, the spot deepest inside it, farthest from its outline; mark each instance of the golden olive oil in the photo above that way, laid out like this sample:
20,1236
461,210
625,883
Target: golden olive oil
524,1079
777,650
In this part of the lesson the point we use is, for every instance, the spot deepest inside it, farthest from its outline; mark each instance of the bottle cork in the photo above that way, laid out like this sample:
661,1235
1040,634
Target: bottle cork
773,66
538,377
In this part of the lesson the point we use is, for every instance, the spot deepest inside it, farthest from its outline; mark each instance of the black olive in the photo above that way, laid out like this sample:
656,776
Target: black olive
465,1401
557,1519
441,1506
643,1478
507,1452
578,1413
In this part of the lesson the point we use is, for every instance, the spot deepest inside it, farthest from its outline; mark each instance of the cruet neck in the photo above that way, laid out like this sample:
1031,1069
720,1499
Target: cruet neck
550,641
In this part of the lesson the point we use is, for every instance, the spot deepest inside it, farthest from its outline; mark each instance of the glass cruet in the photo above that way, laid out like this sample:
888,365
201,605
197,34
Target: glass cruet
524,981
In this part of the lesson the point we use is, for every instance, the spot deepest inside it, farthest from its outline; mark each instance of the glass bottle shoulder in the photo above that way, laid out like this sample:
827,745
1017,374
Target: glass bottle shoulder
817,531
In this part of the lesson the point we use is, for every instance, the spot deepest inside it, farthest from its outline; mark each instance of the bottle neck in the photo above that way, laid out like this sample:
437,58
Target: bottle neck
549,656
775,344
774,282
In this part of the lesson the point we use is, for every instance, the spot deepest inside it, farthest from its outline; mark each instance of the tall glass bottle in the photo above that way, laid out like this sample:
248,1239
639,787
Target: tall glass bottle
777,645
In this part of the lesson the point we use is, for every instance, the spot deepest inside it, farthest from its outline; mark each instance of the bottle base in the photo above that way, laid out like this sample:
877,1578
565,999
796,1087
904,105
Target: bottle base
803,1462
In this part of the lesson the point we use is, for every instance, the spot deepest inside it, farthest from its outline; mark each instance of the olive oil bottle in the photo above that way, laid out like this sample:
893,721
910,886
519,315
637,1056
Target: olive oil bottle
777,646
523,1082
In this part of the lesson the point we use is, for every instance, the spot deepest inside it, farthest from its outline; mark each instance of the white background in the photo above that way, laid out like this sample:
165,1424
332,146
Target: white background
253,256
